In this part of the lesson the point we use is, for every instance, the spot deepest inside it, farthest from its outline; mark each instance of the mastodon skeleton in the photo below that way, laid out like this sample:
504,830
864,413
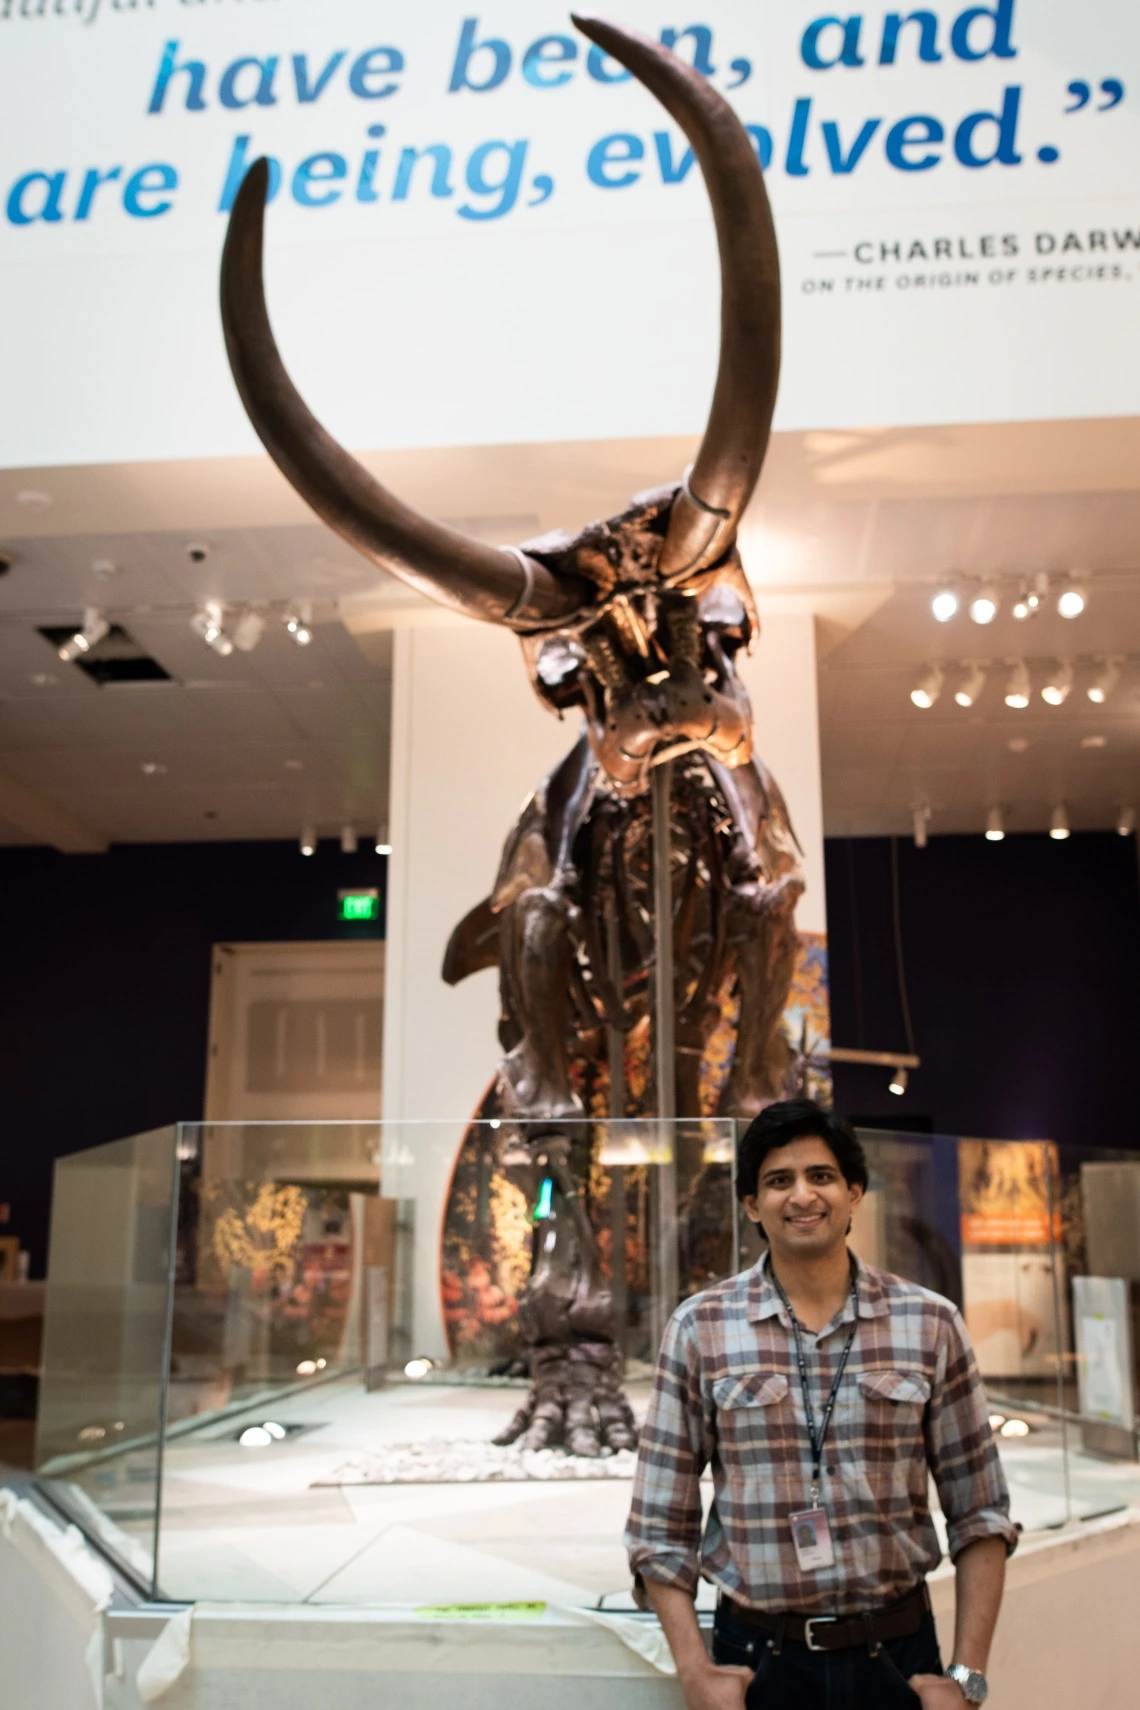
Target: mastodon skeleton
636,622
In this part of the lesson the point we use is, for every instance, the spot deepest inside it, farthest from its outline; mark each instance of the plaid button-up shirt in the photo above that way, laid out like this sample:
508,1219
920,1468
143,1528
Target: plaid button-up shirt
727,1395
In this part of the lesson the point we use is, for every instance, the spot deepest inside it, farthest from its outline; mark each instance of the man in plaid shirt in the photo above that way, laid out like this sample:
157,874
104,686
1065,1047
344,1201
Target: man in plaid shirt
822,1394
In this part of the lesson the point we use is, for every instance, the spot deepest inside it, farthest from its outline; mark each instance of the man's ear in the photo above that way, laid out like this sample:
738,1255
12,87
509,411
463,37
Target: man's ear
856,1190
751,1207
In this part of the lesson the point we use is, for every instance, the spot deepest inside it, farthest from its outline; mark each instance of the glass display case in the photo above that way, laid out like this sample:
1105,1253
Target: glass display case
278,1356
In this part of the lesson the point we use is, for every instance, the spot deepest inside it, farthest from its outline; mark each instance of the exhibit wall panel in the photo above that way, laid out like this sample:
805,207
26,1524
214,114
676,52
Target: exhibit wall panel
462,191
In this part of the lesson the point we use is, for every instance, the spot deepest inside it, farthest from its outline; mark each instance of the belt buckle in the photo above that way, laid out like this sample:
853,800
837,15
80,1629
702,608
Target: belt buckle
817,1621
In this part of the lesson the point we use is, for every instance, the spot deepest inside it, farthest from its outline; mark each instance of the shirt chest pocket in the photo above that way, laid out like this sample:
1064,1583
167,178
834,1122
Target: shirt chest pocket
893,1403
752,1412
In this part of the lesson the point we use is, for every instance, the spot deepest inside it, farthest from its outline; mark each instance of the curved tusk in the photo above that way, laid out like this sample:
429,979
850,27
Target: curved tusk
499,586
716,490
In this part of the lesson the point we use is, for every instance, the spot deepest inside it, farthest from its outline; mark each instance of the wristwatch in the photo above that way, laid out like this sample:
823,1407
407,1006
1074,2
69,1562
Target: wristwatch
970,1681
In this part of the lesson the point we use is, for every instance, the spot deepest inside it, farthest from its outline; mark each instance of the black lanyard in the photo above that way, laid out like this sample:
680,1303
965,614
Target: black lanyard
817,1441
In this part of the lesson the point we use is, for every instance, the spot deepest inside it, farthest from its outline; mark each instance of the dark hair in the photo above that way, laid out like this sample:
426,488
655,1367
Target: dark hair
797,1119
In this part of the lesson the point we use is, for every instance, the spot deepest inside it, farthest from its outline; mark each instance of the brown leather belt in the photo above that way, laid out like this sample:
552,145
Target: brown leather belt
837,1632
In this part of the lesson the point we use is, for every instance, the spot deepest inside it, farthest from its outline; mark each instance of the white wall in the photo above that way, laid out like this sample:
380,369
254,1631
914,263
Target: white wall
469,743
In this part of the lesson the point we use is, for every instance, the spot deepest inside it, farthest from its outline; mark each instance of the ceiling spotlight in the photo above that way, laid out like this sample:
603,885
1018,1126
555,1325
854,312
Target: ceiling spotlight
382,846
348,840
920,819
984,605
248,631
944,605
1072,600
207,622
1019,688
1025,606
1104,682
995,828
1018,744
1094,741
1056,690
928,688
95,627
971,686
1059,825
308,841
898,1082
298,621
154,768
1126,822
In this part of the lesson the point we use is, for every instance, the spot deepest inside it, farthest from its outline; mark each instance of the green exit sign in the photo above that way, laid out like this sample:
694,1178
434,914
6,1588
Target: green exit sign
358,905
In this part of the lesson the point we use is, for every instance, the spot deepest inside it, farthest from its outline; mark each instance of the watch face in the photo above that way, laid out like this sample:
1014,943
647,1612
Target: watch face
973,1684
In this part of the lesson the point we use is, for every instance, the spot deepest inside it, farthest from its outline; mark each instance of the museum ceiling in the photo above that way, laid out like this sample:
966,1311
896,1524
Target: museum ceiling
174,739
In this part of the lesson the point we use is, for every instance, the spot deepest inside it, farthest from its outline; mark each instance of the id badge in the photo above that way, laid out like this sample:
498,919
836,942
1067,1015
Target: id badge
811,1540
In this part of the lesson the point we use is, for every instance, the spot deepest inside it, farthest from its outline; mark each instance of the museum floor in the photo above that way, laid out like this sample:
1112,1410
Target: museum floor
262,1524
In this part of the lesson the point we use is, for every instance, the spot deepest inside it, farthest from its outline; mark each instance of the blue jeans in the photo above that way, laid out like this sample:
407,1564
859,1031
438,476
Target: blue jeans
851,1679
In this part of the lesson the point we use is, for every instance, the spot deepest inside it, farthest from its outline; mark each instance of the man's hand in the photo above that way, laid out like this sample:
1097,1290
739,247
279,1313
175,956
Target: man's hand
937,1692
707,1687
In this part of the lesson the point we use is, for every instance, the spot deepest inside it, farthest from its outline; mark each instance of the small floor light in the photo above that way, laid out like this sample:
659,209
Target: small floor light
995,829
1126,822
383,847
1059,824
308,841
898,1082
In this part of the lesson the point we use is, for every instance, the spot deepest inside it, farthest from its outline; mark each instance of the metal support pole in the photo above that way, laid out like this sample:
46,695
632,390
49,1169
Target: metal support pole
616,1040
664,1054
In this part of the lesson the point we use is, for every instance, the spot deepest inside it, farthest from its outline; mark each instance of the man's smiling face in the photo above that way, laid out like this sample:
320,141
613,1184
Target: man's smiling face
802,1199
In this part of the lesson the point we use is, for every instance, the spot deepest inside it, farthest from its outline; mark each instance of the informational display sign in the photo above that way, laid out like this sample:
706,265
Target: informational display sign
484,231
1105,1355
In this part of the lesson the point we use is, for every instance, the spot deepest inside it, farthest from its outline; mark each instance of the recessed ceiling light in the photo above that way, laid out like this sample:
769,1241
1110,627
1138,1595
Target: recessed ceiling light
294,765
104,568
1094,741
1018,744
43,679
995,826
154,768
35,499
1059,825
944,605
1126,821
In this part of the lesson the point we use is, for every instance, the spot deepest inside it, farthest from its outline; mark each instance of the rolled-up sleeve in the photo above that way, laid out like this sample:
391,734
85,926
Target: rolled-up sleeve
961,1450
663,1532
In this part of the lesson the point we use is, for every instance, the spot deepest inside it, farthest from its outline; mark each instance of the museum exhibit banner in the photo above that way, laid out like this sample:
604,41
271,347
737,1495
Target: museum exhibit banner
482,226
